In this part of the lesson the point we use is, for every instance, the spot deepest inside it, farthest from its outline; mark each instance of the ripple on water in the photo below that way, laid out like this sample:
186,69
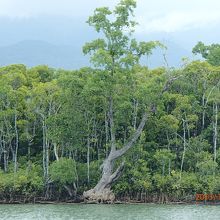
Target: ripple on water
109,212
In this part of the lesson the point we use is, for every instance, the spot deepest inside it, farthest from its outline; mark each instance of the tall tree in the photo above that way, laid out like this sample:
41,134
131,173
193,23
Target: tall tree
115,55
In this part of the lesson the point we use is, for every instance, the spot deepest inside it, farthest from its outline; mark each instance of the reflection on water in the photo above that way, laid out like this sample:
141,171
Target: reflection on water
109,212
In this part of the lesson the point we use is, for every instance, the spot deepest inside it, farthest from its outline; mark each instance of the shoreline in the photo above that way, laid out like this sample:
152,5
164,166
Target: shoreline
75,203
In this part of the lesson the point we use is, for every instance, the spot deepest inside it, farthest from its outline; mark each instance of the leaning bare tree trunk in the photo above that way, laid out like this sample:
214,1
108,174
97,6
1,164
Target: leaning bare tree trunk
102,193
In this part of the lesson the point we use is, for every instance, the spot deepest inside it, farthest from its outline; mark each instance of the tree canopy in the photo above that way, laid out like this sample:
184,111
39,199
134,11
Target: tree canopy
155,132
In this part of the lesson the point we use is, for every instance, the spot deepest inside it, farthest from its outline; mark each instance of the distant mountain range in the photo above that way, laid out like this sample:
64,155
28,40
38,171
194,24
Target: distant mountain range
32,53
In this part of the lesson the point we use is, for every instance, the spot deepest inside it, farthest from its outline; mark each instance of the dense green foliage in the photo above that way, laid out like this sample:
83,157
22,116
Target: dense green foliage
61,114
55,125
211,52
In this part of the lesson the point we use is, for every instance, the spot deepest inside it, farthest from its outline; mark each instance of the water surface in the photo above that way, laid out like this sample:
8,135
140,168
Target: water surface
109,212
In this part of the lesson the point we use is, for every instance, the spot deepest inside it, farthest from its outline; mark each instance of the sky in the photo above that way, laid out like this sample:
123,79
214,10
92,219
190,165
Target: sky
63,22
154,16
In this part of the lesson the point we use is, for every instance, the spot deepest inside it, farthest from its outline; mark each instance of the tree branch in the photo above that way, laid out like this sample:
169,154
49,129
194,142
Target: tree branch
168,84
117,173
133,139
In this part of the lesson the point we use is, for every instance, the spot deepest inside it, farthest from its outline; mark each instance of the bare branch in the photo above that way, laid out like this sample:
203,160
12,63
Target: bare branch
168,84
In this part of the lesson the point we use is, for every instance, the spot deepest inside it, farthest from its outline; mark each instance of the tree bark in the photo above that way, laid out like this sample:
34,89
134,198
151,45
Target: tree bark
88,160
16,144
56,151
45,158
184,147
215,126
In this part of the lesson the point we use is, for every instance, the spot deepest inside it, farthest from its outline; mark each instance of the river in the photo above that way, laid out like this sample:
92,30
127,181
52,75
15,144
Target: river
109,212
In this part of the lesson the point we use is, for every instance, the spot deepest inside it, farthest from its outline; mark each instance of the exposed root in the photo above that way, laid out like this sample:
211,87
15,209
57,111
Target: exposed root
104,196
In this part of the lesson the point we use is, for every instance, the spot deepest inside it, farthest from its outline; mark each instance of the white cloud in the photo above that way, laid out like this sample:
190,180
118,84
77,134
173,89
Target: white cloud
178,21
33,8
177,15
153,16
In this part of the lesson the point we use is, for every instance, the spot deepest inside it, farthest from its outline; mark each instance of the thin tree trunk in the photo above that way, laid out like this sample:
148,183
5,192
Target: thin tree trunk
168,147
77,176
45,157
29,155
16,144
88,160
135,114
7,144
106,134
215,128
163,168
1,147
112,127
56,151
205,103
203,112
184,147
44,147
5,161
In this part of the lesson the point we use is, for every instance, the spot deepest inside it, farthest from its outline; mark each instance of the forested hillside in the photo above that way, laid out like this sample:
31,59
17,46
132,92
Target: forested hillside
157,130
54,129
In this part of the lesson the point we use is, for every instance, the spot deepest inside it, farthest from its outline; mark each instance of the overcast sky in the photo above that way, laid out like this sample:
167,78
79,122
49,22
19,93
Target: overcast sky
183,21
153,16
